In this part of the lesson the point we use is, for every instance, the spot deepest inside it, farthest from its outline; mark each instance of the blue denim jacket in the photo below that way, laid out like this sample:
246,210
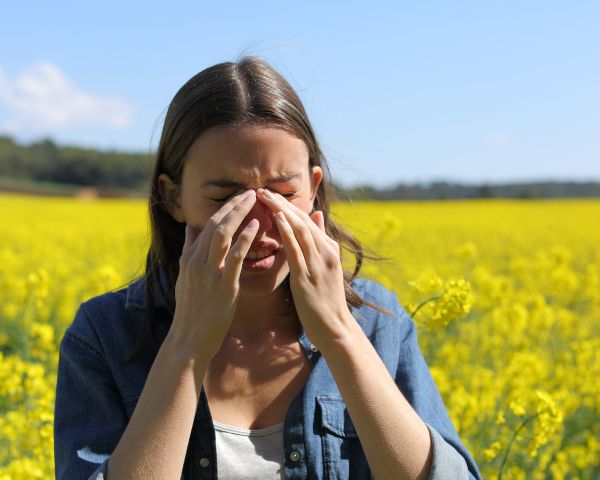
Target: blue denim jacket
97,394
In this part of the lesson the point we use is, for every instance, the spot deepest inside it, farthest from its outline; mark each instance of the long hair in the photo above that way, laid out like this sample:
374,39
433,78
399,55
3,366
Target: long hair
249,92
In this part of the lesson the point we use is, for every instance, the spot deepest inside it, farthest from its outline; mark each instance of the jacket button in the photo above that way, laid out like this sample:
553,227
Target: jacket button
295,456
313,348
204,462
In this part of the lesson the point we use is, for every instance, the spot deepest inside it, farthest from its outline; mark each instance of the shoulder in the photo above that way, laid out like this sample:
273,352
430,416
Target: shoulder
106,320
377,294
106,303
392,334
396,322
95,318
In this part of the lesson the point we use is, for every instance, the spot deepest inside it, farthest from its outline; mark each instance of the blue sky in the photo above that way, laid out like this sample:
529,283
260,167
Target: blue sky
397,91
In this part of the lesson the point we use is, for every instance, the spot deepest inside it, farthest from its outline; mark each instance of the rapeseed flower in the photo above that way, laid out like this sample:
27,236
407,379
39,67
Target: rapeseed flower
506,296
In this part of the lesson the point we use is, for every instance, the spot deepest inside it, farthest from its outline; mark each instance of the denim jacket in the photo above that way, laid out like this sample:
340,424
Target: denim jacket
97,394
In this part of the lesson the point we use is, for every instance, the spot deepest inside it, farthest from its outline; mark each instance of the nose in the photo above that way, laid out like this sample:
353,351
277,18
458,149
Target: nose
263,214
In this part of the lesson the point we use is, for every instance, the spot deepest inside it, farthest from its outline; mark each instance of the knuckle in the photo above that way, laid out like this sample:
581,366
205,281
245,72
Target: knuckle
247,235
236,255
332,262
240,204
332,243
194,265
334,252
305,217
212,222
304,230
239,195
186,256
220,232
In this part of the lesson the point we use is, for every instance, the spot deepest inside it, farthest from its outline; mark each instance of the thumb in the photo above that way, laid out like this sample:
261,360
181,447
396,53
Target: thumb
191,234
319,220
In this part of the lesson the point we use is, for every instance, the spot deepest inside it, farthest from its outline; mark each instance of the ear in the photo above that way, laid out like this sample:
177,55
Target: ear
168,193
317,177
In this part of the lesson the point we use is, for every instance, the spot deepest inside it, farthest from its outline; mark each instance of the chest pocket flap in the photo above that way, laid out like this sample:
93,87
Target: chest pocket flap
335,417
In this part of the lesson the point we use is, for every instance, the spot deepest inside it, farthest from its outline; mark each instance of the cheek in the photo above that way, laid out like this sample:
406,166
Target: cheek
199,215
303,203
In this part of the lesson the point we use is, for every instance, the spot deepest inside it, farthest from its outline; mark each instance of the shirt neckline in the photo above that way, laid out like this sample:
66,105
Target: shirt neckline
248,433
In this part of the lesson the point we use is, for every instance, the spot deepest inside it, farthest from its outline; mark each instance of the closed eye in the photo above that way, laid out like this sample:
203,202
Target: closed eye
224,199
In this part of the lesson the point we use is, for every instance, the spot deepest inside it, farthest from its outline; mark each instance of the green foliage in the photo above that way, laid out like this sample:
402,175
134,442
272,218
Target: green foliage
448,191
45,161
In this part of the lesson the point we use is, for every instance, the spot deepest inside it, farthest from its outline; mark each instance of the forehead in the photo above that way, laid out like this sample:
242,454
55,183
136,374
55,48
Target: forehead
246,154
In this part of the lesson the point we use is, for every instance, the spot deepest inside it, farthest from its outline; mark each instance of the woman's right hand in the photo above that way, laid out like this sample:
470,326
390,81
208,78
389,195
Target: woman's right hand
207,288
155,441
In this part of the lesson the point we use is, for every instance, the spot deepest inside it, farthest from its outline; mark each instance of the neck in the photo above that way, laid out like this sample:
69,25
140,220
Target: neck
271,314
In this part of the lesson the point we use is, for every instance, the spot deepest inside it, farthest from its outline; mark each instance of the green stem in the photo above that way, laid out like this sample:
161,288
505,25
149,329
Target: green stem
513,441
412,315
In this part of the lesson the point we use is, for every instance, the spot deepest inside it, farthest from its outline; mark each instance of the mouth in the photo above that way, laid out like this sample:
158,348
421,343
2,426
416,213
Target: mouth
259,260
258,255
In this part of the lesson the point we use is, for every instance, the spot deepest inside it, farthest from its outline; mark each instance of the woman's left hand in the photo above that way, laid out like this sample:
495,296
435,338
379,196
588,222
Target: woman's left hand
316,274
397,443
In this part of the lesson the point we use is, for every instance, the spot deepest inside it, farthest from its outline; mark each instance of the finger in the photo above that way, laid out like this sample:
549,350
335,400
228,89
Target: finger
320,237
213,223
278,203
189,247
319,220
235,258
191,234
303,227
295,256
223,234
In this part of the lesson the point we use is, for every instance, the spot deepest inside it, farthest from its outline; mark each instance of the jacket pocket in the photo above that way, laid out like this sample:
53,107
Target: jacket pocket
343,456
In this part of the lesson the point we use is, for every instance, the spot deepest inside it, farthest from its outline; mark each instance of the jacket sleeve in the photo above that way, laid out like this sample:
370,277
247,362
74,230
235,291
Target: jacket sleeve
89,417
451,459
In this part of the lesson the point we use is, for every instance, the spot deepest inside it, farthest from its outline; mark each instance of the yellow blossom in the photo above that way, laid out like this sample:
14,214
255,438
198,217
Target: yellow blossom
490,453
512,287
500,418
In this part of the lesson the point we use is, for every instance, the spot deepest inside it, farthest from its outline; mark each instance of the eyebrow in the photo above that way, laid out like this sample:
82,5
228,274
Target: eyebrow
227,183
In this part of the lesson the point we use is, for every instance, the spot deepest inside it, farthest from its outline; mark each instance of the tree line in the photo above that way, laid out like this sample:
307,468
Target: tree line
44,161
456,191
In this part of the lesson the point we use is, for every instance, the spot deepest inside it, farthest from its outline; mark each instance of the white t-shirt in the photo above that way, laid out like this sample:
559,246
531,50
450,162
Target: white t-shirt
249,454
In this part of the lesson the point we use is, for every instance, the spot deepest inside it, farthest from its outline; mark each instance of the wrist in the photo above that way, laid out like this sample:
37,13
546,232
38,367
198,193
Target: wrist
343,334
183,354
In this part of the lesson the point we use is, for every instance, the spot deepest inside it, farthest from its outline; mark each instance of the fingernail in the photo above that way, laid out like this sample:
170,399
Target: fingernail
253,223
268,194
249,198
281,217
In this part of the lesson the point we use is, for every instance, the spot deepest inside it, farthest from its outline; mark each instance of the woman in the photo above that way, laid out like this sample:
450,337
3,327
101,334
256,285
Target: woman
246,351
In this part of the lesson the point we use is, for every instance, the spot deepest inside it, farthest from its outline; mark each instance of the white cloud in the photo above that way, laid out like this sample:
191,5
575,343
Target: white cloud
497,138
42,100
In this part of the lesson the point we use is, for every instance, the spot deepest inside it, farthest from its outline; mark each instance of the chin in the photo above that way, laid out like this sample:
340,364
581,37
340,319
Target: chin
257,280
260,285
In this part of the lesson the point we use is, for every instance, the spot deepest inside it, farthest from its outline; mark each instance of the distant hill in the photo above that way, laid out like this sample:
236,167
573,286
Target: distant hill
46,162
44,168
446,191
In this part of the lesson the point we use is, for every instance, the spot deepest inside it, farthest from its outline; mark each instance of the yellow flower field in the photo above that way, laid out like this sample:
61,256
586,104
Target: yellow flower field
506,295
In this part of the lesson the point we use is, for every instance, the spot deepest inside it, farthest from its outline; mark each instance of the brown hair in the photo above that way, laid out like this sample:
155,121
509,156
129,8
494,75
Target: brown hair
249,92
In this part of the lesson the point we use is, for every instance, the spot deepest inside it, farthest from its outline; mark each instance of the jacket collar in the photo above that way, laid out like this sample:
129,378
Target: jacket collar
136,292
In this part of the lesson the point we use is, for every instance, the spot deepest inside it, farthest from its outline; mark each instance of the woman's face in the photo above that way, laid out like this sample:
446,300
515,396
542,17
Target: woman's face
224,160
